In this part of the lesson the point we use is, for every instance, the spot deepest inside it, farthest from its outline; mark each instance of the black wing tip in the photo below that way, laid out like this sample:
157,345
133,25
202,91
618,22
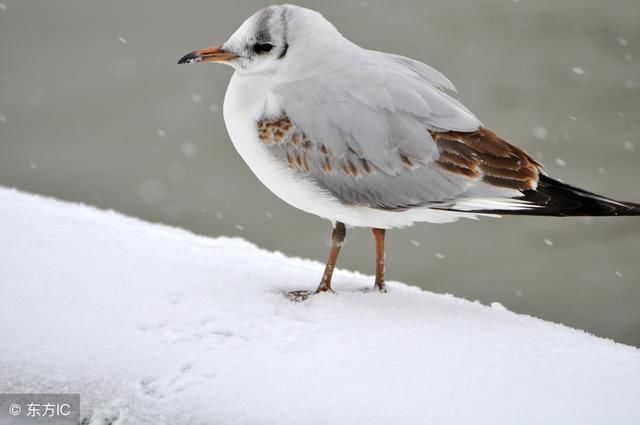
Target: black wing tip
557,199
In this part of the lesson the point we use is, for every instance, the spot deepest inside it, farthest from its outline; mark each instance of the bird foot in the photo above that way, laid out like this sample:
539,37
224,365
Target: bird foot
299,296
303,295
381,290
380,286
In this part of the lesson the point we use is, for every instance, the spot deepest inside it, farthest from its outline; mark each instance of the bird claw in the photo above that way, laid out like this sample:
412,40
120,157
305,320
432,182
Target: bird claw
375,289
299,296
303,295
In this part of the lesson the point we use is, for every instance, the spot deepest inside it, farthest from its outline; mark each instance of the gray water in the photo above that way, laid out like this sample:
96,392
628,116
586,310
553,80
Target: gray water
93,108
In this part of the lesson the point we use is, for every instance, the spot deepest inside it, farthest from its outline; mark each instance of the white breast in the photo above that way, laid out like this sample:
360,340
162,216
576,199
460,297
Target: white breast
247,99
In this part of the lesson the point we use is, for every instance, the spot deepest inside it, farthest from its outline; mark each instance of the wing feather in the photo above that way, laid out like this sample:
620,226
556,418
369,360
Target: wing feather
387,135
376,109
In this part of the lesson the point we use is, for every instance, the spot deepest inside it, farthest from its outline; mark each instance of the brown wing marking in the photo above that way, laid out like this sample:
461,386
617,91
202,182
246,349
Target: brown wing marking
276,131
483,155
479,154
299,151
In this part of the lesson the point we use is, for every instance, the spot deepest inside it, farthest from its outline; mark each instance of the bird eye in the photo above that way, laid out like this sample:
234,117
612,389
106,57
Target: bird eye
262,47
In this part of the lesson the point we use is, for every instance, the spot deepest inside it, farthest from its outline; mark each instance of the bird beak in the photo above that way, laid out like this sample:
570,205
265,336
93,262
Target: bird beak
211,54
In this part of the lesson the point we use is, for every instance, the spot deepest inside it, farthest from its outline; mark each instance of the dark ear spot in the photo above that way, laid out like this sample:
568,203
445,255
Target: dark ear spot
284,51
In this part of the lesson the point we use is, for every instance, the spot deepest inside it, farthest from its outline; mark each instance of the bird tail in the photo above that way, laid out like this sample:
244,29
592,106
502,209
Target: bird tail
555,198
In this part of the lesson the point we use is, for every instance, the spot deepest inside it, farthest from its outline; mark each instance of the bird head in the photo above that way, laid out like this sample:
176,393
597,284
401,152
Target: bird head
273,39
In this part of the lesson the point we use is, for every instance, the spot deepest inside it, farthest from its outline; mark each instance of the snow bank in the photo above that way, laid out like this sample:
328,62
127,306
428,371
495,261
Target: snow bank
154,325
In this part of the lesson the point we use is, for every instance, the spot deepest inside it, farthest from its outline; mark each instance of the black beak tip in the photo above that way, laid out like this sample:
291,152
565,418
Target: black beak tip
189,58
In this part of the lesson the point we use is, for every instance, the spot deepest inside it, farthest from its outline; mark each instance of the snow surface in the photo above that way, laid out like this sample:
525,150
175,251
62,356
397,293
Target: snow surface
154,325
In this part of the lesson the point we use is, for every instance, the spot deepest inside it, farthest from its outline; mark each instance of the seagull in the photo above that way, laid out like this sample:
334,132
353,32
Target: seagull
370,139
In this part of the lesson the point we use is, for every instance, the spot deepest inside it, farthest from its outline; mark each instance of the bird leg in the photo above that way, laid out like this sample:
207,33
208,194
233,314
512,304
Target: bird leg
337,239
378,234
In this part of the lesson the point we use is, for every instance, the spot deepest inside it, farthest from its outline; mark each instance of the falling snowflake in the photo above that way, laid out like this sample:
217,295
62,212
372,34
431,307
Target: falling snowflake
577,70
540,133
587,220
189,150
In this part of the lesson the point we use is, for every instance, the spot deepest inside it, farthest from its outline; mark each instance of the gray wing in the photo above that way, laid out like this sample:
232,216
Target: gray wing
380,109
364,134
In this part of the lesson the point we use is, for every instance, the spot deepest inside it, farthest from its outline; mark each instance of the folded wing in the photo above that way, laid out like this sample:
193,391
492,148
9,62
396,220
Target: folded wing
389,136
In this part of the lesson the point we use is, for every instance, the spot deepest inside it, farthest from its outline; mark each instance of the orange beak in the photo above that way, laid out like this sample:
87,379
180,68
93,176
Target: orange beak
211,54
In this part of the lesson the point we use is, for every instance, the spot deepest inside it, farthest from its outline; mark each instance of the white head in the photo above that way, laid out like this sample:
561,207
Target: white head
272,39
